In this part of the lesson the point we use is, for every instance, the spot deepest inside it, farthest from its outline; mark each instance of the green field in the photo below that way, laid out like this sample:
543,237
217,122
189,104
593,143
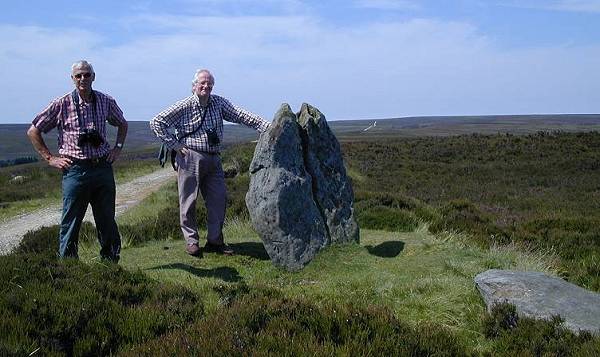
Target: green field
433,212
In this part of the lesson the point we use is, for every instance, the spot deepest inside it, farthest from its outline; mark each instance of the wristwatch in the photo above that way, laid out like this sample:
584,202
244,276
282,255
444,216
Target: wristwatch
119,145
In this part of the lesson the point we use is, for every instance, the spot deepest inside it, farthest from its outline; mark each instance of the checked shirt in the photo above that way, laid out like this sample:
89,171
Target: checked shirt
62,113
185,117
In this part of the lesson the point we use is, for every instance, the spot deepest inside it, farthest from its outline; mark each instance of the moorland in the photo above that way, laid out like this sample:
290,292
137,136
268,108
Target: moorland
434,211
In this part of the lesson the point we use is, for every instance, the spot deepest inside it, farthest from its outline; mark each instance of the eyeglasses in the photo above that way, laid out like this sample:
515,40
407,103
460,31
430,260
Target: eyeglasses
84,75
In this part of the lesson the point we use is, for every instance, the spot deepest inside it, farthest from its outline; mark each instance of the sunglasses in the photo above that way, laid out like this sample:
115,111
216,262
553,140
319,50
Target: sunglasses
82,75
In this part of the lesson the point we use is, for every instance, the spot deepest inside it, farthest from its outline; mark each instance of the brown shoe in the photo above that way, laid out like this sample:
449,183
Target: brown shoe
218,248
193,250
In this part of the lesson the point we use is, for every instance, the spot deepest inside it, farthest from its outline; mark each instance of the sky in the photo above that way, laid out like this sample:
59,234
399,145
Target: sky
352,59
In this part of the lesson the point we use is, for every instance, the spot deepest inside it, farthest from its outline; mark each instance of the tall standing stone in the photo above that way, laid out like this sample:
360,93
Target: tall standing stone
300,198
331,187
279,198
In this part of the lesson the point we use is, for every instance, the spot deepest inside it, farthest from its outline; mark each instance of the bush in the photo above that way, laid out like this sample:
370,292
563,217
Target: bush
388,211
64,307
538,189
464,216
388,219
264,324
529,337
503,317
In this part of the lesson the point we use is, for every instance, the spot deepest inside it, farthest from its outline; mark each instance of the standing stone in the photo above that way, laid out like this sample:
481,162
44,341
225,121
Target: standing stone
300,199
331,186
279,198
541,296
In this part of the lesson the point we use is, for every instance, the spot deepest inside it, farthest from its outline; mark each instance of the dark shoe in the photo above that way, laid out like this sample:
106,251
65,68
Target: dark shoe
193,250
218,248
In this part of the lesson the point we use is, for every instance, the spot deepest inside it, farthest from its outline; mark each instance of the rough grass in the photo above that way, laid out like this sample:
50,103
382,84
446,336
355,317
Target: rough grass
421,279
538,190
263,323
410,293
42,184
51,307
403,291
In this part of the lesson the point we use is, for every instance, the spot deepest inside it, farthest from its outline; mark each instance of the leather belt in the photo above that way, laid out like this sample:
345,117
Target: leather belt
92,161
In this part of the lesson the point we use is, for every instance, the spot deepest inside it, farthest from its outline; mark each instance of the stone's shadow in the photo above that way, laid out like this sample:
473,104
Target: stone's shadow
224,273
386,249
251,249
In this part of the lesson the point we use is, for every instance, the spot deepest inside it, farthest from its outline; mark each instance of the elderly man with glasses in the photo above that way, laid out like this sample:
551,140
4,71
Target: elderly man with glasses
198,123
85,158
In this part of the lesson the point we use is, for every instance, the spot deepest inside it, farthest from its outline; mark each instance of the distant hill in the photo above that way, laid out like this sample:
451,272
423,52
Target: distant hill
458,125
14,142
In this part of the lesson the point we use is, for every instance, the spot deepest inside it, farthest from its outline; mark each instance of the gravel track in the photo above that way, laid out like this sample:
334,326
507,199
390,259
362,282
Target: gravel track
128,195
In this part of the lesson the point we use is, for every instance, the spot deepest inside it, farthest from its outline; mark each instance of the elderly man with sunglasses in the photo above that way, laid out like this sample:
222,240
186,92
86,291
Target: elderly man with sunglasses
85,158
198,123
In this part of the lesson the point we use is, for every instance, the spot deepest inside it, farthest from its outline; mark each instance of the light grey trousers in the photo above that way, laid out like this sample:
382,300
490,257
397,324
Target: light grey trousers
201,172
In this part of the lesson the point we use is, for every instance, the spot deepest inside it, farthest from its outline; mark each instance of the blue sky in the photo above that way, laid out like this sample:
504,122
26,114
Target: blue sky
354,59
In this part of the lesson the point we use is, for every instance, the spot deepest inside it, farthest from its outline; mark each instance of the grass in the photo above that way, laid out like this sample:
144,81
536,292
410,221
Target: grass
42,186
537,190
433,214
396,294
420,278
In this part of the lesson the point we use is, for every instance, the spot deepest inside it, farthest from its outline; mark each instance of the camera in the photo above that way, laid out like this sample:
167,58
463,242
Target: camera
90,136
213,137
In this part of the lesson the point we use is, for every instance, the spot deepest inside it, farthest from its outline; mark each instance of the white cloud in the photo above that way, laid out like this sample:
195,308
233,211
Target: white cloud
588,6
244,7
417,67
35,63
388,4
577,5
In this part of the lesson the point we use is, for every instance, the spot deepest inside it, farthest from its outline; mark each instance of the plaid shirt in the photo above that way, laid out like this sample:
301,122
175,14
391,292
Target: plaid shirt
186,115
62,113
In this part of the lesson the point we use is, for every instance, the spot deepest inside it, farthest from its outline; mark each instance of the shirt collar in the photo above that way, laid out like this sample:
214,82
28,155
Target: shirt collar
82,102
197,100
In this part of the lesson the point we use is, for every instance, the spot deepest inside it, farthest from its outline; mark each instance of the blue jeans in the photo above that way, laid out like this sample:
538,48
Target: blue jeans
83,184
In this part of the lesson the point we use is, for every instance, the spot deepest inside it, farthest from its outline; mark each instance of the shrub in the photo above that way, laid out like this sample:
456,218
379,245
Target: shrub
538,189
389,211
257,324
64,307
388,219
514,336
464,216
503,317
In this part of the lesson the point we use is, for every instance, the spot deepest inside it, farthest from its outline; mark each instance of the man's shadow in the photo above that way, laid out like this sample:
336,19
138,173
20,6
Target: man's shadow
386,249
251,249
224,273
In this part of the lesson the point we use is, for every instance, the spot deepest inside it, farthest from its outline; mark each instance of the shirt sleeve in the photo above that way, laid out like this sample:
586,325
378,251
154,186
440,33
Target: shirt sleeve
163,121
238,115
115,114
48,118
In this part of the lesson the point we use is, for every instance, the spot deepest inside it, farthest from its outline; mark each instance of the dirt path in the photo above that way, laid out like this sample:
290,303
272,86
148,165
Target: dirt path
128,195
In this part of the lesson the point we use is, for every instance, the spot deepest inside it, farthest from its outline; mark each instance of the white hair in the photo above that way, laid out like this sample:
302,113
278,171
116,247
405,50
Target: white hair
198,73
81,64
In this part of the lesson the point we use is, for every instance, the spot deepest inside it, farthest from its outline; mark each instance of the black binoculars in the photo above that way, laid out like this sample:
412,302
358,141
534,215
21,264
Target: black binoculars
90,136
212,137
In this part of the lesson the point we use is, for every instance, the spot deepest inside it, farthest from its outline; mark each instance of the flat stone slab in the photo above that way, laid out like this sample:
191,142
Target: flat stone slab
541,296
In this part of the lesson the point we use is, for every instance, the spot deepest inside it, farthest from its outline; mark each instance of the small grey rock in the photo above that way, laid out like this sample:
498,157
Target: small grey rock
17,180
